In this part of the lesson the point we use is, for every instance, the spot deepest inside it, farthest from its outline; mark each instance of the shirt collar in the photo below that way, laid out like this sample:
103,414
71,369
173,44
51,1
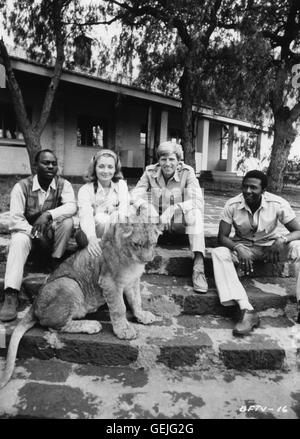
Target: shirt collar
160,177
114,186
37,187
243,204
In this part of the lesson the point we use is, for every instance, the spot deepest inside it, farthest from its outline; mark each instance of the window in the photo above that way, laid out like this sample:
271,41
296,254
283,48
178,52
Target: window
8,123
174,135
143,136
91,131
224,142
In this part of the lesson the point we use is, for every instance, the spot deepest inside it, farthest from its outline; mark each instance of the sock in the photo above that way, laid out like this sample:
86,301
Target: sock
245,304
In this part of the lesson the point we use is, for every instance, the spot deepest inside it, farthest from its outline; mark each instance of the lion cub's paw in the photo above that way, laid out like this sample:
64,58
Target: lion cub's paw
146,317
92,326
125,331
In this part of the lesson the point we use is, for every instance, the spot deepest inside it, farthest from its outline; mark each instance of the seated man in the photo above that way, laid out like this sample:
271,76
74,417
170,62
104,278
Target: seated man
41,207
173,191
255,215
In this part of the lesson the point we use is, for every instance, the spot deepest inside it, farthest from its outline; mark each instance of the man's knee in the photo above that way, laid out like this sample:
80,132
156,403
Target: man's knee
67,224
20,240
294,251
221,253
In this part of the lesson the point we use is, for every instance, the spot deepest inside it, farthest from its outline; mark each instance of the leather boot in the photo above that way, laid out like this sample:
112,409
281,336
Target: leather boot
298,319
248,321
9,308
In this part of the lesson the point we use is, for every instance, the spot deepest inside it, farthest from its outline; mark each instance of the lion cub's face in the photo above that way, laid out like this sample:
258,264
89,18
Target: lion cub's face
142,242
137,238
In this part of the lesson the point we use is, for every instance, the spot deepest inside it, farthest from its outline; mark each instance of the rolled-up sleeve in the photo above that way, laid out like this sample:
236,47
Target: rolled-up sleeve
227,214
139,195
124,198
86,212
286,213
69,206
18,222
193,197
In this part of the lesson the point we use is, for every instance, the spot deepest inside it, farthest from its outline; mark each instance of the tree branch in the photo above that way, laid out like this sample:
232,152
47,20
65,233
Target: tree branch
15,90
60,57
291,28
295,112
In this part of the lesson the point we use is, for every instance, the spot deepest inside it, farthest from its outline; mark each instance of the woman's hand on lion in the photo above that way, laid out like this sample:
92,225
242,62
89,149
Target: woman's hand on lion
93,247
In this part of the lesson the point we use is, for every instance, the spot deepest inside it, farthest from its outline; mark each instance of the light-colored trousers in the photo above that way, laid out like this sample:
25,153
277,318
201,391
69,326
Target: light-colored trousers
227,282
193,226
21,244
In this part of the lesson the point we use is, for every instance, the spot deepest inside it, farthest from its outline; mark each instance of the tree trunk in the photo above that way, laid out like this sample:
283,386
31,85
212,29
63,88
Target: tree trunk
33,145
284,136
186,90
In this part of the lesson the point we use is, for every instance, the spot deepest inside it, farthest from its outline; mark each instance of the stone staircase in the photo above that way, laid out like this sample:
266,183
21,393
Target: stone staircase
193,331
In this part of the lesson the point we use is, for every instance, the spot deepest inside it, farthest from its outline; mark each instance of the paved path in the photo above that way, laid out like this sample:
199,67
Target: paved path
55,389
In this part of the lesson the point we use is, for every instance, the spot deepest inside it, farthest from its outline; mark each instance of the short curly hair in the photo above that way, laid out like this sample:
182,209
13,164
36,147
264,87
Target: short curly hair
90,174
255,173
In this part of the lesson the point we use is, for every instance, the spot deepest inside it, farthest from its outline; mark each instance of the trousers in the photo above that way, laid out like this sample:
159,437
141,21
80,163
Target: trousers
228,284
21,245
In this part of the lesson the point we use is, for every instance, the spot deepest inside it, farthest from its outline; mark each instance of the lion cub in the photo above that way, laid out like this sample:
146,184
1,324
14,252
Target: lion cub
82,283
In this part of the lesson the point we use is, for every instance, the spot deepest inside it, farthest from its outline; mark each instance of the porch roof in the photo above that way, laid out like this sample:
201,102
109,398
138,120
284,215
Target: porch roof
88,80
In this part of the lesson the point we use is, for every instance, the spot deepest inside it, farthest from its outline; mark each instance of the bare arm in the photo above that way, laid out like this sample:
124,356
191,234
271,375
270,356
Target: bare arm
273,252
294,229
223,235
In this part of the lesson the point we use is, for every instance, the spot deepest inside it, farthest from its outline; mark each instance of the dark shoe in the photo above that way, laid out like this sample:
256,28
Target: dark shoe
9,308
199,282
248,321
54,263
298,319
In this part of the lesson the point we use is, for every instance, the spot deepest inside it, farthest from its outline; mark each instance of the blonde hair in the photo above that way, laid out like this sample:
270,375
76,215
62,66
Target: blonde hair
170,148
90,174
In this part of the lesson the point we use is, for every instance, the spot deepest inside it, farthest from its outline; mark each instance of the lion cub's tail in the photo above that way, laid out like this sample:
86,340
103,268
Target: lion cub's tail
24,325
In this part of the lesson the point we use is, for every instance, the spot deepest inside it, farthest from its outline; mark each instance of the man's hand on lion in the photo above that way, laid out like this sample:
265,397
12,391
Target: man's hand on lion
93,247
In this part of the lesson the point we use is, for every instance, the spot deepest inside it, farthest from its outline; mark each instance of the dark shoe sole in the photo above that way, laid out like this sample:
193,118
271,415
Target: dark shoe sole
200,291
243,334
8,319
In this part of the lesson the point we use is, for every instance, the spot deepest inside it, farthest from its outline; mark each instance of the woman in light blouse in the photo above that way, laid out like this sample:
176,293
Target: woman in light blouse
104,193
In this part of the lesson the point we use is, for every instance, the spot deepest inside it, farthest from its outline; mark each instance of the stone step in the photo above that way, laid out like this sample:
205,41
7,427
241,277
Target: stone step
171,260
175,295
199,343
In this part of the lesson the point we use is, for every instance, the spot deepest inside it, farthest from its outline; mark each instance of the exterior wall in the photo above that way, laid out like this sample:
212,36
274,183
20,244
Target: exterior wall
14,160
214,145
131,118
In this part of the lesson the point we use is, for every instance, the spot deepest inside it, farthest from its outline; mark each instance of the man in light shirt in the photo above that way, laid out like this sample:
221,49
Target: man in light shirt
170,190
41,210
255,215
